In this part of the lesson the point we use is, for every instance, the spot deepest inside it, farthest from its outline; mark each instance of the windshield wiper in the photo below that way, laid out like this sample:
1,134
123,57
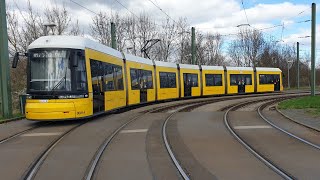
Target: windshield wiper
60,81
58,84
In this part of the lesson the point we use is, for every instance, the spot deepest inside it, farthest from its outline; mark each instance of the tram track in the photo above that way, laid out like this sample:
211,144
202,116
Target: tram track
284,170
90,174
32,170
180,107
34,167
207,99
242,141
259,110
21,133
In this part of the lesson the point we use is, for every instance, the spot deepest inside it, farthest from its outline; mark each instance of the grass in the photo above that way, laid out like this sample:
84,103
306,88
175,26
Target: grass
302,88
309,104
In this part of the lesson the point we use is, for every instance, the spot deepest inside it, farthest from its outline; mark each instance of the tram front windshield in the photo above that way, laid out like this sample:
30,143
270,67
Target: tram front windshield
52,70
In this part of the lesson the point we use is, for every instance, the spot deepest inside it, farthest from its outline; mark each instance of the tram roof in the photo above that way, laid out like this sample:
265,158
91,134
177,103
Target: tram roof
212,67
138,59
268,69
166,64
189,66
72,42
240,68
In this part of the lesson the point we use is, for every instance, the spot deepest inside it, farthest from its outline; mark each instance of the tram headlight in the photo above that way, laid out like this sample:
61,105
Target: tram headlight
72,96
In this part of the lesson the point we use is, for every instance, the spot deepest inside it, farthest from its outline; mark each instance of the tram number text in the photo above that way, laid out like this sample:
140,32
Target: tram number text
81,112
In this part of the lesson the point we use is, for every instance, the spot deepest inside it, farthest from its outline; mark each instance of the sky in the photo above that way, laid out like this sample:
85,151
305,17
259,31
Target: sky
290,19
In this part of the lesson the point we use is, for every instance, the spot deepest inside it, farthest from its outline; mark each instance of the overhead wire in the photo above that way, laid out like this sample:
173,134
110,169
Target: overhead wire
244,9
127,9
84,7
163,11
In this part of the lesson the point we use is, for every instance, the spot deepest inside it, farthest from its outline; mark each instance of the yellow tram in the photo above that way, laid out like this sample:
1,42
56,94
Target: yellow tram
73,77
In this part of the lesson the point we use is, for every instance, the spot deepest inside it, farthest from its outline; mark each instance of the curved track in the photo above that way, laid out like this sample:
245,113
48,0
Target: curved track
267,162
259,110
31,172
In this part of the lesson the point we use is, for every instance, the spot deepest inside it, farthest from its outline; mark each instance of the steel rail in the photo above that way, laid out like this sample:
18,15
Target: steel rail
95,160
104,145
267,162
169,150
259,110
20,133
32,171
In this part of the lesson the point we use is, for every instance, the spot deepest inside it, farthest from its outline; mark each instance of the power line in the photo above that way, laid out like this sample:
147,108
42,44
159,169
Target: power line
244,9
127,9
84,7
162,11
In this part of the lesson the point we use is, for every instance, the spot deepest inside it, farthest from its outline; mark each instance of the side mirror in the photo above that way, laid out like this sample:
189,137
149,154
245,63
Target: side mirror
15,60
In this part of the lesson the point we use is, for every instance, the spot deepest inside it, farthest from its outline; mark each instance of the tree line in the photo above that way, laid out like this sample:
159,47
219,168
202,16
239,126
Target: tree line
249,47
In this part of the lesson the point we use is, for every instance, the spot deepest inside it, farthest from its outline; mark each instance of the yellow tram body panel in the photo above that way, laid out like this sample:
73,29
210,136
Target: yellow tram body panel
167,93
132,62
55,109
268,87
196,91
113,99
233,89
214,89
134,91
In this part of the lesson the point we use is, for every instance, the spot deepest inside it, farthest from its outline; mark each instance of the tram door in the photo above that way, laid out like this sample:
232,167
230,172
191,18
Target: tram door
143,86
98,96
97,73
187,80
241,85
276,81
141,80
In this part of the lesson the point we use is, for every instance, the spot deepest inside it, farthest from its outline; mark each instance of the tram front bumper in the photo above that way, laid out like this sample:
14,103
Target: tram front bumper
50,111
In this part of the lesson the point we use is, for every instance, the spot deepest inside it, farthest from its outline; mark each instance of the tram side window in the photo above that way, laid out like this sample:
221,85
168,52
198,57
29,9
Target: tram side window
238,79
96,74
190,79
234,79
172,80
113,77
213,79
194,80
147,77
108,77
119,77
81,76
268,78
248,79
141,79
134,79
167,80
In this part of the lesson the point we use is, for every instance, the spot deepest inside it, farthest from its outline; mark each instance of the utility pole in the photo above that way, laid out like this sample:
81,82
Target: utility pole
6,101
298,68
193,45
313,49
113,36
288,76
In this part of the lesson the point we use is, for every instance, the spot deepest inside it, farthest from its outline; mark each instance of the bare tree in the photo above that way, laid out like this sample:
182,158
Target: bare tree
75,29
59,16
214,49
183,49
168,37
235,54
100,28
146,30
250,44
